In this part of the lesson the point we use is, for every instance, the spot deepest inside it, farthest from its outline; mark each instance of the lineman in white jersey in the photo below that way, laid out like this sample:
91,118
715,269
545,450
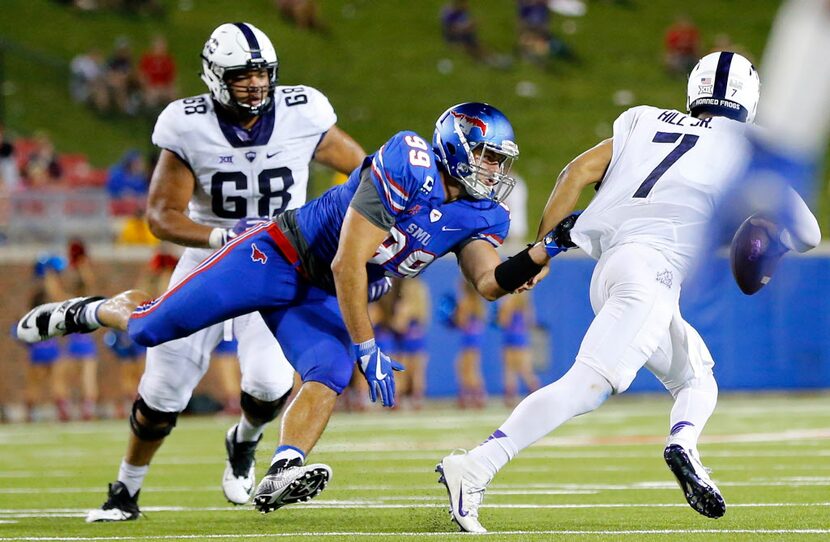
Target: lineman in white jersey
228,159
658,179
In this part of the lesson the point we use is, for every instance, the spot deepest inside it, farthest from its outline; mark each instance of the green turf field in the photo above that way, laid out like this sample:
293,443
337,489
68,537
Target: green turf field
599,478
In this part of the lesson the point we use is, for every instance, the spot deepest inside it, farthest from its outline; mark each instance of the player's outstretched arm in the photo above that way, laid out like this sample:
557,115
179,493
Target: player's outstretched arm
587,168
359,239
171,188
339,151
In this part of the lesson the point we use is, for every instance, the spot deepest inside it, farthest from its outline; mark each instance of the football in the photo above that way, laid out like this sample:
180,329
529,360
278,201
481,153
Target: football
754,254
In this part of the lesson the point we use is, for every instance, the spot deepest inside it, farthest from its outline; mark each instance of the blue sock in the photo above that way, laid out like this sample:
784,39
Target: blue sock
288,452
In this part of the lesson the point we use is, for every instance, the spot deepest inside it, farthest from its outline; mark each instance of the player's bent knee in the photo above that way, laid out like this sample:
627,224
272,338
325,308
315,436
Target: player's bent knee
148,424
261,412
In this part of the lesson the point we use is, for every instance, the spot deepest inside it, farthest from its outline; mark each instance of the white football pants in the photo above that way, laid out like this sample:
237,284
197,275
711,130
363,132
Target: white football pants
173,369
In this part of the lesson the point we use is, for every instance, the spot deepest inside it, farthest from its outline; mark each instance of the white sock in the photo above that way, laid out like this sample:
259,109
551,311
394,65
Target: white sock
89,314
245,432
132,476
694,403
580,390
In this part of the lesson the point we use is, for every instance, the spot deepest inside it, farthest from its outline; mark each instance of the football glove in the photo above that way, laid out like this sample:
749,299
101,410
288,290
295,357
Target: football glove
377,369
379,288
559,238
219,237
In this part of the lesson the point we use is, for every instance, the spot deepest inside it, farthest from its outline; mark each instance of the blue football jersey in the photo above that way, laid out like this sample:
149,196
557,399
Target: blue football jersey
407,179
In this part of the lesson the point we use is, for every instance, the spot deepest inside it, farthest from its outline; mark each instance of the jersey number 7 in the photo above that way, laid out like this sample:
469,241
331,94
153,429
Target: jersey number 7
682,148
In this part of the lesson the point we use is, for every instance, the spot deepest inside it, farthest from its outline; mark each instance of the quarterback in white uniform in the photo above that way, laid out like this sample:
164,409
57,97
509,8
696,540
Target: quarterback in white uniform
658,179
229,158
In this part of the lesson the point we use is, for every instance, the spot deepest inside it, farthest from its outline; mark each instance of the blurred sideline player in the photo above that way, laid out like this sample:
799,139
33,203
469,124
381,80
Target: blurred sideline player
515,319
408,204
787,147
81,357
40,383
469,319
657,179
228,159
410,320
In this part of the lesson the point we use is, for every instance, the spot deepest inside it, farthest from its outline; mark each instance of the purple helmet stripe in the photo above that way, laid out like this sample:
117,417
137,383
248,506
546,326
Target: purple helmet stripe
250,38
722,75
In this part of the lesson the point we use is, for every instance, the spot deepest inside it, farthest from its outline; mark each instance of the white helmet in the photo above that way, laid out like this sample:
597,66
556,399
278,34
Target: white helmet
233,48
724,84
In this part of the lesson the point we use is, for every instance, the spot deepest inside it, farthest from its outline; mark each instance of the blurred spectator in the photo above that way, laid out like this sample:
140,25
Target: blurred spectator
537,43
120,77
459,28
301,13
157,71
469,318
723,42
9,174
128,178
136,231
682,46
42,168
410,320
87,84
515,319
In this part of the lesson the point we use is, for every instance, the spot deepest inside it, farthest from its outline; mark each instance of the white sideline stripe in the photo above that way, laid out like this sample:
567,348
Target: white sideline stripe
552,489
443,534
81,512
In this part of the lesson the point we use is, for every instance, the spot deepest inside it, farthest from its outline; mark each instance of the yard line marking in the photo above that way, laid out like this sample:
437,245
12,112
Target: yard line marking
443,534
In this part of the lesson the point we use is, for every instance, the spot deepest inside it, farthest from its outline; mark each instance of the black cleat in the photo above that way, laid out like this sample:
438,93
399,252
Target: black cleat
289,482
120,506
700,491
239,477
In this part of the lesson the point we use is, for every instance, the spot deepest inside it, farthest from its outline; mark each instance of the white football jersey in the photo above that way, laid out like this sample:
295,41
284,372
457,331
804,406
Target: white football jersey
666,172
240,176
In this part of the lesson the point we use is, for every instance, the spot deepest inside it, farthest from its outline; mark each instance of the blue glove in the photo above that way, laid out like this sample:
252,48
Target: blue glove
377,369
245,224
559,238
220,237
379,288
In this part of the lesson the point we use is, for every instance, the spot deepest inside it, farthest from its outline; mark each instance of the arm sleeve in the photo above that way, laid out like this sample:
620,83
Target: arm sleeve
366,201
803,233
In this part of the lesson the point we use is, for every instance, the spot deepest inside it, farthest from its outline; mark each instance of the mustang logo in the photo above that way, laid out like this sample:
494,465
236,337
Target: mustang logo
257,255
468,122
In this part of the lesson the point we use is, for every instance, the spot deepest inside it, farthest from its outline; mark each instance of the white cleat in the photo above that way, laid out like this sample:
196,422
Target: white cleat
53,320
240,474
290,482
119,506
465,490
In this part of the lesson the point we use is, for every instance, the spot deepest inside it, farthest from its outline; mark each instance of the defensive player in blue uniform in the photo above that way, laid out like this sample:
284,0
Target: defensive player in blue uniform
409,203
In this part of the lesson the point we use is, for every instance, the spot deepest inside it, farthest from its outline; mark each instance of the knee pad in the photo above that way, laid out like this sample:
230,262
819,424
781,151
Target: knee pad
261,412
155,426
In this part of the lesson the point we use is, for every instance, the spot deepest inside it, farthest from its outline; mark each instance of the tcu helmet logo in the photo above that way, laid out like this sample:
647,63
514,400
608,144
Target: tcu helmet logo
468,122
211,45
257,255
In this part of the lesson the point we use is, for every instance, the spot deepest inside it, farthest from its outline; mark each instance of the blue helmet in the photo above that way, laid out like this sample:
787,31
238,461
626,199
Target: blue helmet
480,127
